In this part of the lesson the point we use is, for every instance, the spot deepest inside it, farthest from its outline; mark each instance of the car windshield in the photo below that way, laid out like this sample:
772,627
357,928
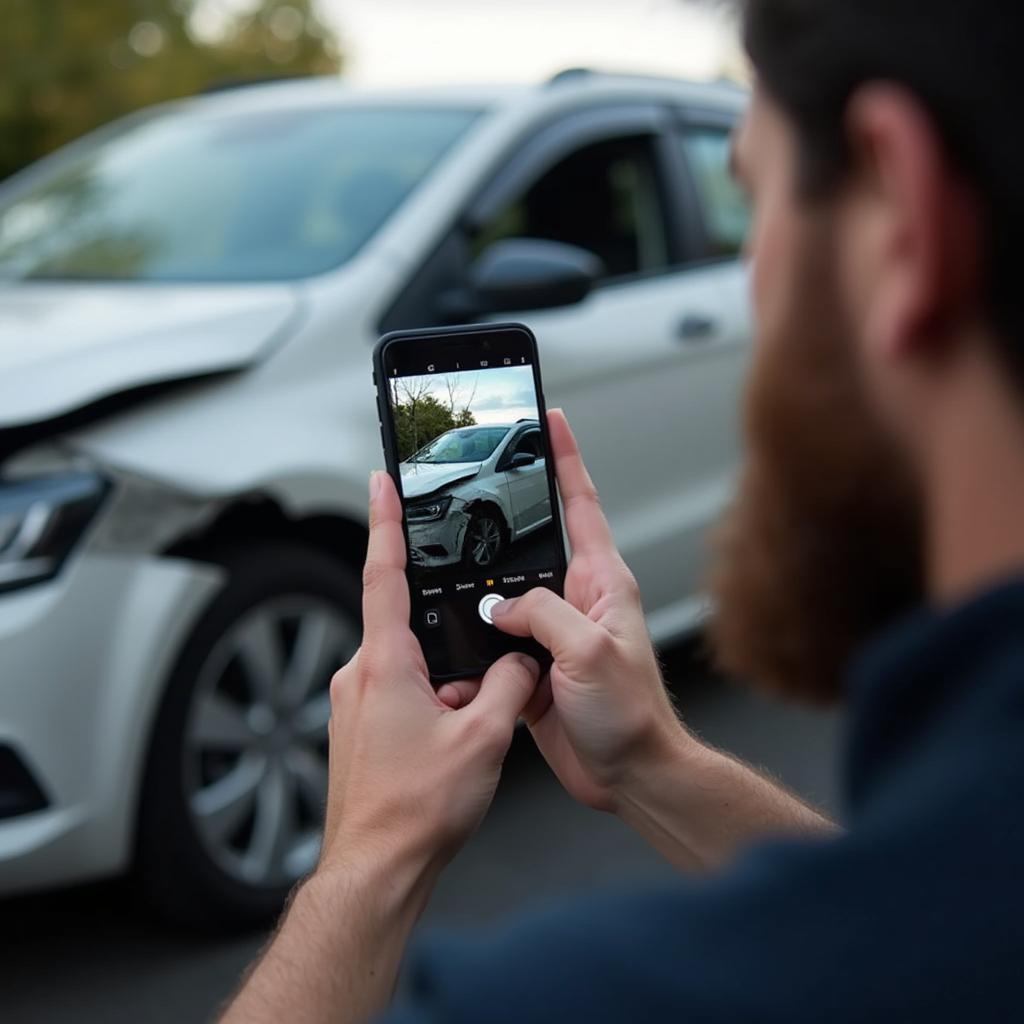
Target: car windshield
181,195
475,444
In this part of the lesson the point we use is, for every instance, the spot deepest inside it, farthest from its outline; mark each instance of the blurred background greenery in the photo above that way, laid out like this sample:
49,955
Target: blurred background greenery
68,66
71,65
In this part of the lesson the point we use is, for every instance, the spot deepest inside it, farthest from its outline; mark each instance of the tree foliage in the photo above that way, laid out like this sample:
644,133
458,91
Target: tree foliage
420,416
71,65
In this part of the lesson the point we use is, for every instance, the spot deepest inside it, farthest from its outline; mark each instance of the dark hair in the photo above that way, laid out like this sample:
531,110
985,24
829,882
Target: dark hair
961,58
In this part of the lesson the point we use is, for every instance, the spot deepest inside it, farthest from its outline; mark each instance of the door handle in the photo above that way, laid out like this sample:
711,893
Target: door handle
697,327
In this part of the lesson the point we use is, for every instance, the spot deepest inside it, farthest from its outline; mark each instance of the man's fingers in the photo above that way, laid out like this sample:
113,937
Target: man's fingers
540,702
385,590
458,694
585,523
565,631
506,689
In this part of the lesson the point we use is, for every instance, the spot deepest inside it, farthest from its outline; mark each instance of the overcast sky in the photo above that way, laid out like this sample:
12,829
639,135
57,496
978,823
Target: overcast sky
501,395
434,41
420,42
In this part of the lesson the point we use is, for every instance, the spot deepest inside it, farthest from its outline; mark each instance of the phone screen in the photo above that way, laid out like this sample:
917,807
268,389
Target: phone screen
468,438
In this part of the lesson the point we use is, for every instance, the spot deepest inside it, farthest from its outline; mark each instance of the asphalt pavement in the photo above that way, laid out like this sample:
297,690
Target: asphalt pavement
90,954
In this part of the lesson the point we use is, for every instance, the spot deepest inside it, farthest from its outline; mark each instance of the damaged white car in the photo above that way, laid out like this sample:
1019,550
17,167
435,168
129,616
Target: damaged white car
188,301
473,491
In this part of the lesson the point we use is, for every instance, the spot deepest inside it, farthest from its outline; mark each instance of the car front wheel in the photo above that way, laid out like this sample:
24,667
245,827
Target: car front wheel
484,540
233,798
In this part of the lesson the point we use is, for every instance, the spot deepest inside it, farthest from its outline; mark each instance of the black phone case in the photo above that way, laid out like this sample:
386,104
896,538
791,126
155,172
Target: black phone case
390,443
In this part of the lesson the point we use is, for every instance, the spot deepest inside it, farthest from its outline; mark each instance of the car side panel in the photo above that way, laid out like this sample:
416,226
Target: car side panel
655,416
528,492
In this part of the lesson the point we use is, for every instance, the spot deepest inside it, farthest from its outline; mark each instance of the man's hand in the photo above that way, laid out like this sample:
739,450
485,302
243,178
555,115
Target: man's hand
603,712
407,769
410,779
602,717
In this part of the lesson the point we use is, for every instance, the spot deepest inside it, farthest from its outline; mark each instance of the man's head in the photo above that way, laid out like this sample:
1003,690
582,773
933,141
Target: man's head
884,167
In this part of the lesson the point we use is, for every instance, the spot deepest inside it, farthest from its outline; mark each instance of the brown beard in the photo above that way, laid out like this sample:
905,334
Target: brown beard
823,546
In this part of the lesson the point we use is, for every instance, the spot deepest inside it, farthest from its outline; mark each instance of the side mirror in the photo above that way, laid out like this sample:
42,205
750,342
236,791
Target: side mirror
518,274
521,460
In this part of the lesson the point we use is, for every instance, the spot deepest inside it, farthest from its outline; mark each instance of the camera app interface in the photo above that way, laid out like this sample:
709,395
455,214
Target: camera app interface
475,486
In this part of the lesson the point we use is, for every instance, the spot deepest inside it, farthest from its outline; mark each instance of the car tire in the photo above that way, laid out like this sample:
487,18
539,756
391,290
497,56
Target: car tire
486,531
209,856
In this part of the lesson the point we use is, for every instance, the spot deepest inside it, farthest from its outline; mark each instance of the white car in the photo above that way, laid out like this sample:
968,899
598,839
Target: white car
473,492
188,301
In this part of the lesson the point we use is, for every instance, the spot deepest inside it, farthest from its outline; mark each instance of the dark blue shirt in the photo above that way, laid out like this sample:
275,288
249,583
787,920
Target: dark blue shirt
915,914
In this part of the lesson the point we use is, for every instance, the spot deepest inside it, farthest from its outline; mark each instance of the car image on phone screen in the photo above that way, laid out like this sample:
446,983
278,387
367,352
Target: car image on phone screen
465,438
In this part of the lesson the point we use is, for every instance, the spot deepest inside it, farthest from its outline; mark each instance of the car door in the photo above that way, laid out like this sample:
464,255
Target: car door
648,367
527,485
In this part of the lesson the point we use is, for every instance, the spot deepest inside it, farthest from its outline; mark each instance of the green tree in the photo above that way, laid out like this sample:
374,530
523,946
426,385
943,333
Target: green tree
420,417
72,65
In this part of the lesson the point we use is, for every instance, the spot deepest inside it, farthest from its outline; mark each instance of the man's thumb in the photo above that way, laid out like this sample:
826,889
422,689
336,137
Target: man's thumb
507,688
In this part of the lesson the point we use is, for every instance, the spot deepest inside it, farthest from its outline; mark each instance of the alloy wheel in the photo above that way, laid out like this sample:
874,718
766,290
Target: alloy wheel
484,540
255,757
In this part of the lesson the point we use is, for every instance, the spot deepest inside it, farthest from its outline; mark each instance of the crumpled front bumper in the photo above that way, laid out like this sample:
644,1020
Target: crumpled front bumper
437,544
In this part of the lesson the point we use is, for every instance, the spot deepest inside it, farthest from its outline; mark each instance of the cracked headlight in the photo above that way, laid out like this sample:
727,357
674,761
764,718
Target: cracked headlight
41,520
428,511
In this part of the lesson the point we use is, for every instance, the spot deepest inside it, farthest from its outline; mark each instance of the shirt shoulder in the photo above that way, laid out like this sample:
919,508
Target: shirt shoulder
836,930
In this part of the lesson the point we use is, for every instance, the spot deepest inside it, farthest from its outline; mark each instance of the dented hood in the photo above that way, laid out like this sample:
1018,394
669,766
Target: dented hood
66,345
422,478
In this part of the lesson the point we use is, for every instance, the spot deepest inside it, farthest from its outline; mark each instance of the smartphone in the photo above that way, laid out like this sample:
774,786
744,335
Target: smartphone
465,437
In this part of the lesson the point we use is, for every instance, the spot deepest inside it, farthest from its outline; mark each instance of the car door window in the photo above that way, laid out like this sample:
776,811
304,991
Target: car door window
529,443
725,209
604,197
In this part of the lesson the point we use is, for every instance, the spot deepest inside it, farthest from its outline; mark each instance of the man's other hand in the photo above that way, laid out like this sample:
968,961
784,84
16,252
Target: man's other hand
602,716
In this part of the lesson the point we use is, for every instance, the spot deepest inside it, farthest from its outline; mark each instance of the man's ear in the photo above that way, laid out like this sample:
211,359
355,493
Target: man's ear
925,223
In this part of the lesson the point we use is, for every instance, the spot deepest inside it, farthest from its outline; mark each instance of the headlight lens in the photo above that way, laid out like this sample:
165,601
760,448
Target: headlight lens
428,511
41,520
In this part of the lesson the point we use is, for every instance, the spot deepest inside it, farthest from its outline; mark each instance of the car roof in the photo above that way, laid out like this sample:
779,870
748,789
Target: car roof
495,426
575,83
330,91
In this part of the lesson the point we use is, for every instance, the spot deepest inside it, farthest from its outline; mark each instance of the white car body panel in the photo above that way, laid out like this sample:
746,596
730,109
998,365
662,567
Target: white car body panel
528,497
61,344
421,479
662,408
